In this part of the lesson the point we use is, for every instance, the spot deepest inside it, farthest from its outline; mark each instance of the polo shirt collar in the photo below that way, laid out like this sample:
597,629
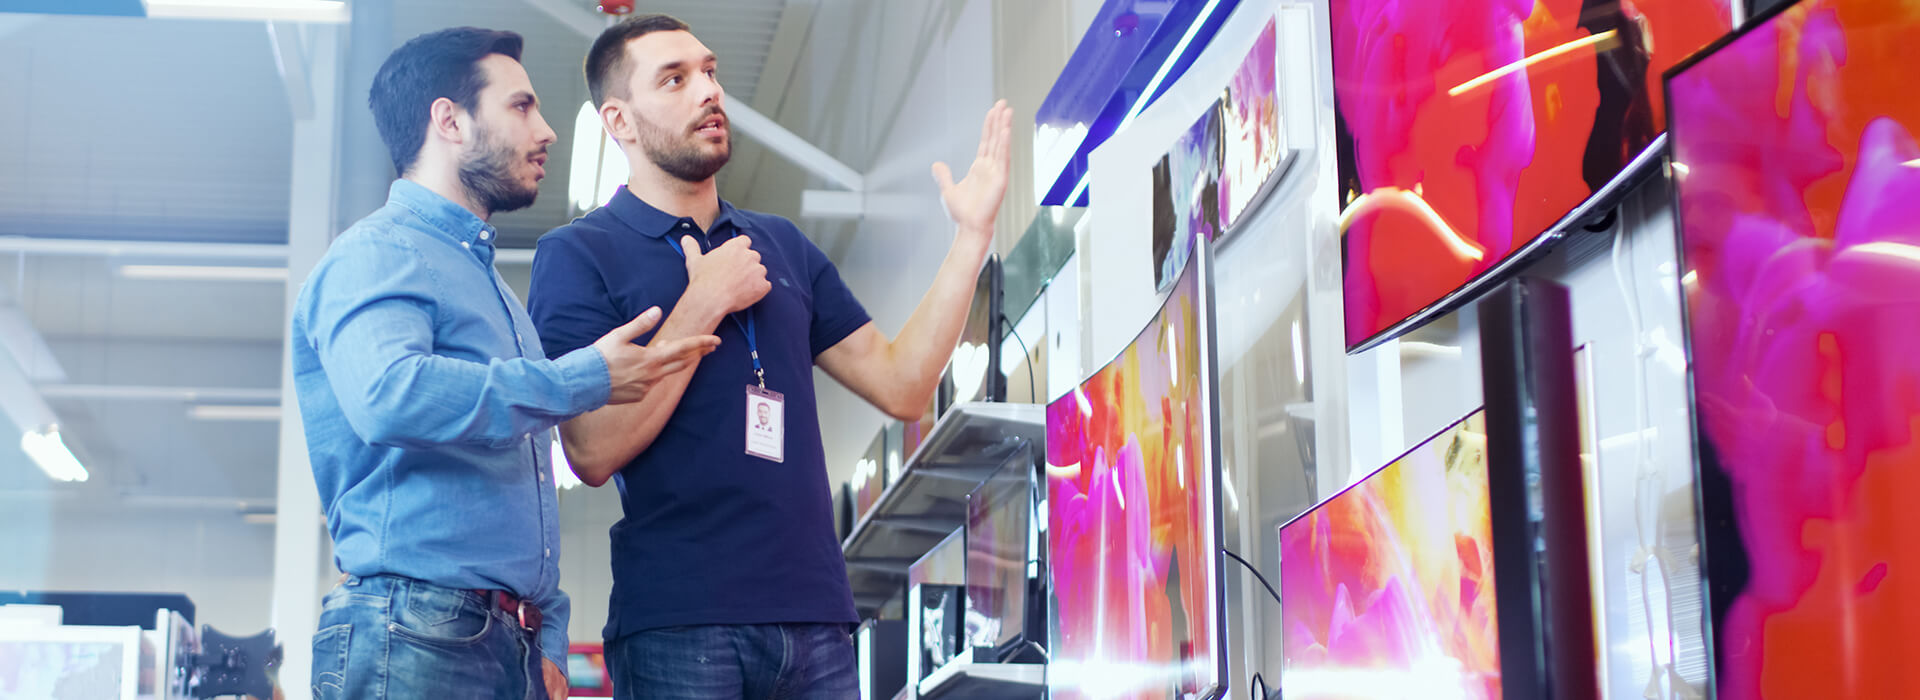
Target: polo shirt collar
442,216
653,223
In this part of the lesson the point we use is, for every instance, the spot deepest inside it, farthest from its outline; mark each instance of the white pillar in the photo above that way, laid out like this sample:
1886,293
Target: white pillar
299,544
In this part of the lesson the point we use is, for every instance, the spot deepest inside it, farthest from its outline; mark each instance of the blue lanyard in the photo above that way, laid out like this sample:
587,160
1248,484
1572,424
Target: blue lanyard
753,348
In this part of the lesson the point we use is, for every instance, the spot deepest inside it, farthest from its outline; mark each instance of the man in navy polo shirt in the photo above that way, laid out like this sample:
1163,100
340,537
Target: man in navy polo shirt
727,578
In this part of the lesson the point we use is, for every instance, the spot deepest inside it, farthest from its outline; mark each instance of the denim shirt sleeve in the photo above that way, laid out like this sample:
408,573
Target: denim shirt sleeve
556,610
370,318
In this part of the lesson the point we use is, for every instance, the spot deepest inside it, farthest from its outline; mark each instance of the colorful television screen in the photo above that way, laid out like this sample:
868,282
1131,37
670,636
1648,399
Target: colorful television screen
1467,128
1798,187
1132,514
1220,166
1389,584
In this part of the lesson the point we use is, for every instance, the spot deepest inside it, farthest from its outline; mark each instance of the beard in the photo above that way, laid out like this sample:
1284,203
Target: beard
488,175
677,157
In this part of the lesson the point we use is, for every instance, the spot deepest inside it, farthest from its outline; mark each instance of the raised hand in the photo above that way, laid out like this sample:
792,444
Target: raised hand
975,200
729,277
635,368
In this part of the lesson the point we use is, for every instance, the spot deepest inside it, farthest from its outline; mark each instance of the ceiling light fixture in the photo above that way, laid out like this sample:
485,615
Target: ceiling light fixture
213,412
599,167
46,449
316,11
204,273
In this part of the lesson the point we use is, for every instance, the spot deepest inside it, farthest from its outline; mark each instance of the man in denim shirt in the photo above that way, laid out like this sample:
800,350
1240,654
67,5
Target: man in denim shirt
427,398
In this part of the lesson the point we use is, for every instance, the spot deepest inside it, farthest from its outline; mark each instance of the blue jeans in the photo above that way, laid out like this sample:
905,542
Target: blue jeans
761,662
392,637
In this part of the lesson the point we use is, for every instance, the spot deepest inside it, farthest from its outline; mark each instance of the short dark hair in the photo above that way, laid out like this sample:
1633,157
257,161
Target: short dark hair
607,60
428,67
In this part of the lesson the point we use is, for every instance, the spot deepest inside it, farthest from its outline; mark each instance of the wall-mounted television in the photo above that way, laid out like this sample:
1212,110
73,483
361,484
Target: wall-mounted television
974,372
1460,569
1796,163
1389,585
1470,134
1133,517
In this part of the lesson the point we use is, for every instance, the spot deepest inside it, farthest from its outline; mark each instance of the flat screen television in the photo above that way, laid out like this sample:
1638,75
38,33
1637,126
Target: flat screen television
1133,517
1388,585
1797,180
587,675
1223,164
1469,133
870,477
999,523
974,372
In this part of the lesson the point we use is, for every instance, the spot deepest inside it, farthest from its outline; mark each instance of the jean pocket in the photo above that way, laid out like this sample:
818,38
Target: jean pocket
330,661
464,628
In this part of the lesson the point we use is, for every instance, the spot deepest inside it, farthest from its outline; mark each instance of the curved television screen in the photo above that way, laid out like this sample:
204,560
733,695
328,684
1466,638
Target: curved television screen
1389,584
1132,515
1796,153
1468,128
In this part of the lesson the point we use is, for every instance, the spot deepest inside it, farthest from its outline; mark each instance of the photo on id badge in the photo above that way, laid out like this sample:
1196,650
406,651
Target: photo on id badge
766,434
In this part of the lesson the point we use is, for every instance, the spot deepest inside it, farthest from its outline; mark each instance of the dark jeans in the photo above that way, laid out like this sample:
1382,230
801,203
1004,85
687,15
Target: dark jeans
392,637
760,662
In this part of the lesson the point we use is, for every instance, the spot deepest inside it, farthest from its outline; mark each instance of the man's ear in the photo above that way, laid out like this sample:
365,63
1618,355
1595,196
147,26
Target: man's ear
445,121
617,116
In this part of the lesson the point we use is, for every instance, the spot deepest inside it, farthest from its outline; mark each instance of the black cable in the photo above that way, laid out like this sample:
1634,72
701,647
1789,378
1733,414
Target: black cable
1262,693
1256,572
1033,388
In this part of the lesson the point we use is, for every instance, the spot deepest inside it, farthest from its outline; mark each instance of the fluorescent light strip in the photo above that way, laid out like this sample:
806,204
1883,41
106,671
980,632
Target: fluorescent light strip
1146,95
1173,57
316,11
204,273
213,412
46,449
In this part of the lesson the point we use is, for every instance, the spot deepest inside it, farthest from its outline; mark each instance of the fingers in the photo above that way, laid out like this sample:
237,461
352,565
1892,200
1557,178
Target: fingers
943,176
637,327
1006,132
692,248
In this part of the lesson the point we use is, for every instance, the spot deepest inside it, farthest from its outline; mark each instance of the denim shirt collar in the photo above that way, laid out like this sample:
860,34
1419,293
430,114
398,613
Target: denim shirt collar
653,223
444,217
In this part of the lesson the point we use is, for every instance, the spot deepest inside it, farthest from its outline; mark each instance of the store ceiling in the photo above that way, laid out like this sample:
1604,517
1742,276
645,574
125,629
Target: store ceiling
180,131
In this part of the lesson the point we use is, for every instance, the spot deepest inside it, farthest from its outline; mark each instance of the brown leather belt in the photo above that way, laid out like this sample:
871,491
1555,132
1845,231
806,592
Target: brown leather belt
527,614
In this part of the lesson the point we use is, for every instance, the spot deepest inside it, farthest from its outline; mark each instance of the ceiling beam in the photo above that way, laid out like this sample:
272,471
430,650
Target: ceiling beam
158,393
33,245
770,90
291,59
751,123
257,252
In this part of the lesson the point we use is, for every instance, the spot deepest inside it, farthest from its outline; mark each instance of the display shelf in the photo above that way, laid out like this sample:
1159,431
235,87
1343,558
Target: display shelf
964,681
929,500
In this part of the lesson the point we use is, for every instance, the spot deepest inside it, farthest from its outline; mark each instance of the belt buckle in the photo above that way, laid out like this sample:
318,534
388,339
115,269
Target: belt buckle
520,613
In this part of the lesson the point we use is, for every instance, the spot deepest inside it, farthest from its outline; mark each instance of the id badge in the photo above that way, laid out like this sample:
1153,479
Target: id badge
766,424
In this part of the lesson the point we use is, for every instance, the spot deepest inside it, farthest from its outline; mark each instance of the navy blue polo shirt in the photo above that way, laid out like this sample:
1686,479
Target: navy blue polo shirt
711,535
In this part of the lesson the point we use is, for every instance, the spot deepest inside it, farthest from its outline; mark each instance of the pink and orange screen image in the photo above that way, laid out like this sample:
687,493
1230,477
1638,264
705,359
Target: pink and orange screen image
1131,518
1467,128
1796,152
1388,586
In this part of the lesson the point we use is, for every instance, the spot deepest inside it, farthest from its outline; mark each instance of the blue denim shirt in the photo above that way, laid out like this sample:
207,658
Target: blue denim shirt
428,400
